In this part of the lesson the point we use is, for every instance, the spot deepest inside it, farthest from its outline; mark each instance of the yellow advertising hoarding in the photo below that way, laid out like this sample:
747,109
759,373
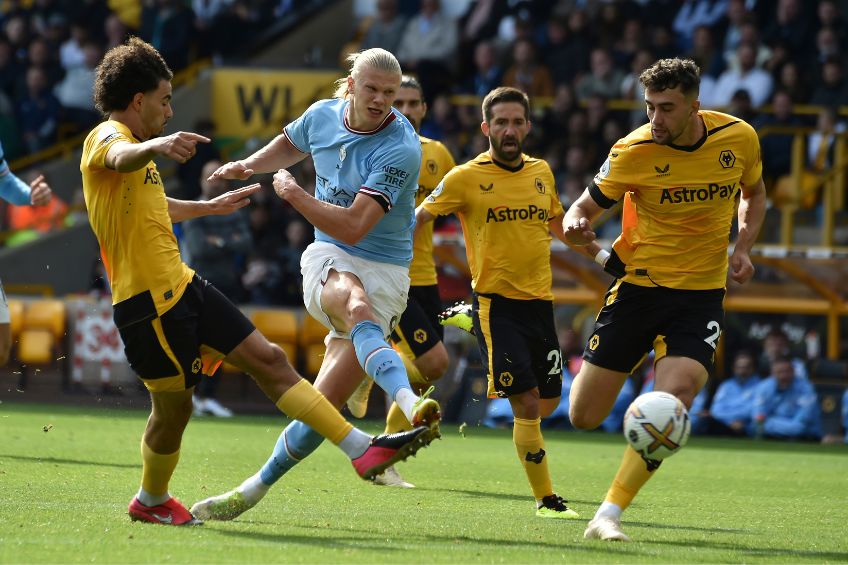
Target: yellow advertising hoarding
259,102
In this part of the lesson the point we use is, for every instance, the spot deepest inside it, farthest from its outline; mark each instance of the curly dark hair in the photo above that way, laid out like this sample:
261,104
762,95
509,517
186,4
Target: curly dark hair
126,70
671,73
505,94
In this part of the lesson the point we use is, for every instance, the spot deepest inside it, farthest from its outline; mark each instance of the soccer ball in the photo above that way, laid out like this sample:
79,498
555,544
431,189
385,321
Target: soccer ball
657,425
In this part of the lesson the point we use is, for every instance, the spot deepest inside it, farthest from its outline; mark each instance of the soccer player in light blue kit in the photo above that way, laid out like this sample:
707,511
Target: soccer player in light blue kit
15,191
785,405
356,274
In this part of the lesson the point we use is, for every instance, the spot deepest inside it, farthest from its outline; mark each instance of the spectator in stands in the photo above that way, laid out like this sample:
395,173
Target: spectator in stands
40,56
776,345
487,73
386,30
741,107
38,112
554,120
750,33
604,79
216,246
190,172
736,14
789,79
72,50
526,73
705,53
786,406
827,45
829,16
733,403
429,47
831,88
11,70
776,147
748,76
115,30
696,13
30,222
76,91
632,89
566,52
168,26
298,236
631,41
792,25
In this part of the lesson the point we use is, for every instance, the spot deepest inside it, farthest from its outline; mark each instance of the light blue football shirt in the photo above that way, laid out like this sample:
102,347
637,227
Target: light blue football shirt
13,189
383,163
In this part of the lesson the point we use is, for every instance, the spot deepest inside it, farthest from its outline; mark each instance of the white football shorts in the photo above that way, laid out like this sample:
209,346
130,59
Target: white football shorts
386,285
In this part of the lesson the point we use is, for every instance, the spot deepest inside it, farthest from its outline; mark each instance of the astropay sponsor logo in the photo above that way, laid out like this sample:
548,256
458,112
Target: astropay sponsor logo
507,214
681,195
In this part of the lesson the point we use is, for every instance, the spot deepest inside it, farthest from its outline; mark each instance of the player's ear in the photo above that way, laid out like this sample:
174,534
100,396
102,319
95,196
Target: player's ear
484,127
423,109
137,100
350,82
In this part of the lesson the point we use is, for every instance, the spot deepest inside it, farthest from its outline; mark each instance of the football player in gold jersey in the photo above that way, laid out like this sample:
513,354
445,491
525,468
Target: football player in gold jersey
175,326
418,335
682,176
508,205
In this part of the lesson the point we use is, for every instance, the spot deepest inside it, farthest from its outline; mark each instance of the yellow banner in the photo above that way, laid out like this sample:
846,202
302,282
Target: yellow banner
256,102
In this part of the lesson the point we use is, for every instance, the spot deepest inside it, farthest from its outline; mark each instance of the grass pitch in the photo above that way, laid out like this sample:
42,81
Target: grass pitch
64,493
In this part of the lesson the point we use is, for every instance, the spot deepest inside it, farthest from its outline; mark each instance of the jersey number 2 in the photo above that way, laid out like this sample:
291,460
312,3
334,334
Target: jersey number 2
555,356
712,339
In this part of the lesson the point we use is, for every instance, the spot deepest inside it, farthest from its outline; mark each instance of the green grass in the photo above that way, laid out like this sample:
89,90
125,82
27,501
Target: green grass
64,492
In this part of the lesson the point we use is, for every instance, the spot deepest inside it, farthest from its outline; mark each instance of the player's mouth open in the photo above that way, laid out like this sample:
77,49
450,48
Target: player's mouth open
375,111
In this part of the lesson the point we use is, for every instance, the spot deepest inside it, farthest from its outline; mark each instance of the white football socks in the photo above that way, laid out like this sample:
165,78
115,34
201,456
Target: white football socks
355,443
609,510
253,489
151,499
406,400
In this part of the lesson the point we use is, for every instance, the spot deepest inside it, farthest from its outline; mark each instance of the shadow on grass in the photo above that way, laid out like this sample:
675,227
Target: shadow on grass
363,539
60,461
825,556
497,495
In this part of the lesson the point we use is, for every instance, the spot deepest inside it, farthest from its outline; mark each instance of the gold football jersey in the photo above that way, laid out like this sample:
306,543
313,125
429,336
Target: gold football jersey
505,214
129,215
436,161
679,201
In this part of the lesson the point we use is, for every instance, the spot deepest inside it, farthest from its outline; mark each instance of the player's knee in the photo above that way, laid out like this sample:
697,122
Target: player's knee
583,419
358,310
433,367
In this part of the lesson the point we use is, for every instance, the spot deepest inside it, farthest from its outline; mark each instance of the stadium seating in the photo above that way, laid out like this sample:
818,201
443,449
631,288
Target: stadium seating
42,332
280,327
312,334
16,314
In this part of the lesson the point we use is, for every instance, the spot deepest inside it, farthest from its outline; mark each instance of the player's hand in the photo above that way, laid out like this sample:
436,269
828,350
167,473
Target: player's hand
180,146
578,232
234,170
285,184
231,201
741,267
40,193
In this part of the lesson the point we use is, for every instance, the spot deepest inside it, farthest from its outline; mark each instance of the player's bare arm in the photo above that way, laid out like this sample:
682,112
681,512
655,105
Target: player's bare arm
422,217
280,153
348,225
577,222
180,147
226,203
752,210
40,192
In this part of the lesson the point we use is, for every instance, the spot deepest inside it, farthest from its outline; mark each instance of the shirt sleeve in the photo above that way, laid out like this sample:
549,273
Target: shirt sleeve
753,158
610,183
298,131
391,173
94,157
447,197
556,205
12,189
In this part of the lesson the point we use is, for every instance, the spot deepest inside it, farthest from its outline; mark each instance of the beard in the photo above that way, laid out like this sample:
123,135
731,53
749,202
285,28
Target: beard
505,155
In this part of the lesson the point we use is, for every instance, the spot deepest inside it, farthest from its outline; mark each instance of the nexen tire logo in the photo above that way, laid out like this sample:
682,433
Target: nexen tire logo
711,192
506,214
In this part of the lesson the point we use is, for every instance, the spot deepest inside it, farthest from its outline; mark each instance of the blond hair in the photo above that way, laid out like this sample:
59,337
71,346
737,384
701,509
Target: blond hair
376,58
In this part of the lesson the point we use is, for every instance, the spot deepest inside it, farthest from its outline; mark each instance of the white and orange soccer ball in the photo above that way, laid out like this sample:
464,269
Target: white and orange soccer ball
657,425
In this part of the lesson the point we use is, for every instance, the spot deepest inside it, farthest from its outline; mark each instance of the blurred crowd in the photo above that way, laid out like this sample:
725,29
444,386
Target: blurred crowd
49,50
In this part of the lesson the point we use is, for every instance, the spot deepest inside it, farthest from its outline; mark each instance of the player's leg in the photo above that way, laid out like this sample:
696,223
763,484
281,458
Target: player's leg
349,308
336,379
418,340
689,326
164,353
501,327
